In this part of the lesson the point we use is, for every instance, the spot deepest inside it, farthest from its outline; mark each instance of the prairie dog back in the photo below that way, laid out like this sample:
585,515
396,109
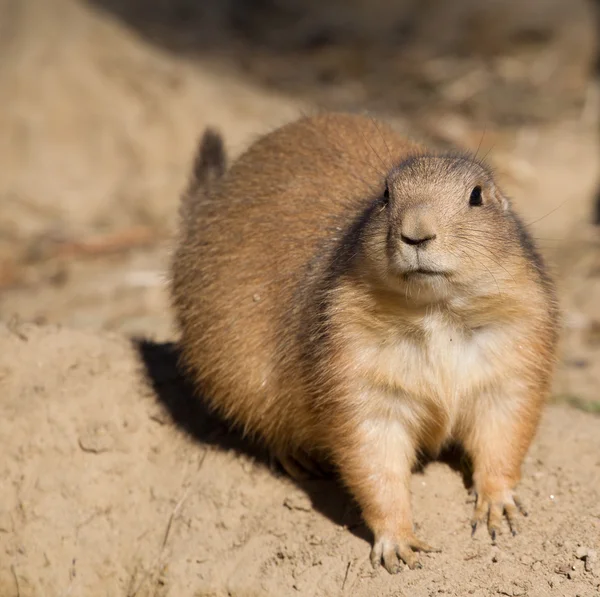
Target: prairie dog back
257,250
345,294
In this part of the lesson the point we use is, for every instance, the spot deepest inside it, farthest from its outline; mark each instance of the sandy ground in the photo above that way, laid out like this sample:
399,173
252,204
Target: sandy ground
115,481
107,496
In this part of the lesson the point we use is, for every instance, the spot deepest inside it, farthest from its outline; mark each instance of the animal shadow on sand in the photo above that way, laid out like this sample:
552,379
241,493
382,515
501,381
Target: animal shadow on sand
190,413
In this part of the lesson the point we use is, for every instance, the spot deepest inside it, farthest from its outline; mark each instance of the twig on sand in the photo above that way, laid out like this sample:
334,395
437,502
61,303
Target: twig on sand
172,516
346,576
14,572
116,242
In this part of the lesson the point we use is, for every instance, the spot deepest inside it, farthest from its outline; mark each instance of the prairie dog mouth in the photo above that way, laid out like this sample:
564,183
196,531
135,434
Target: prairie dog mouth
426,272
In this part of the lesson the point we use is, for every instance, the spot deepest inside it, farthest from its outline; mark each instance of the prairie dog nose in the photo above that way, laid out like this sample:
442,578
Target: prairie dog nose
417,228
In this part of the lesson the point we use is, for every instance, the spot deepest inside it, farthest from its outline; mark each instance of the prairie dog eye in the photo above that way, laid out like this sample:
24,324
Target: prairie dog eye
476,199
386,195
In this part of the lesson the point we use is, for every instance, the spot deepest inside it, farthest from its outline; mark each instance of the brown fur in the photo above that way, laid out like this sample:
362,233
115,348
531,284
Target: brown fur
303,321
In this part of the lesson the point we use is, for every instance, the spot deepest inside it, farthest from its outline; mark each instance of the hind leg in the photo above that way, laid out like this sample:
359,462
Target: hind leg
299,466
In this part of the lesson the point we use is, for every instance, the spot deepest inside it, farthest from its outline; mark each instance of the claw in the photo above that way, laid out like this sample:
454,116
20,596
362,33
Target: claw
392,551
511,511
520,506
494,509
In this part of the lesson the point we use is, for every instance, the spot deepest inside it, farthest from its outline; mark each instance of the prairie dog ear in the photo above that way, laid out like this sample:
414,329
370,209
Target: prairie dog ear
499,196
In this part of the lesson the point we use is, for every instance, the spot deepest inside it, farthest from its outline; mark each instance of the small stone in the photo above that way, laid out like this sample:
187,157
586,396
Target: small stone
581,553
546,545
591,560
160,416
564,569
247,466
555,581
298,502
98,437
497,555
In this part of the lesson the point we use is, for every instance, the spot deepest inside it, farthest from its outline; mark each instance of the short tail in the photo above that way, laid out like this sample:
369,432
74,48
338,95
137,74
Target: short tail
210,161
209,166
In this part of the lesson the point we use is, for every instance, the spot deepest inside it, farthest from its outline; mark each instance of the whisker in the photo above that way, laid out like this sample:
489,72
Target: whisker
480,142
374,121
482,264
484,158
548,214
385,167
473,248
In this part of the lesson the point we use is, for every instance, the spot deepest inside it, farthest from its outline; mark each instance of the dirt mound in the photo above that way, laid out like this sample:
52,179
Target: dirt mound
103,494
115,481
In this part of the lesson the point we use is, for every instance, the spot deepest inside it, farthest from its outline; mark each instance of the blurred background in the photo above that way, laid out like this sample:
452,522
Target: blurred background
102,103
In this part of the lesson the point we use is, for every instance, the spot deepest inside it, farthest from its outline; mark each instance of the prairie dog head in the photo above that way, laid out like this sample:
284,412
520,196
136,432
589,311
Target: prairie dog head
441,225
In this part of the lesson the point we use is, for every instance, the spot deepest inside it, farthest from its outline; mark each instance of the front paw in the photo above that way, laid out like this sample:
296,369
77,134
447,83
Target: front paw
391,549
492,508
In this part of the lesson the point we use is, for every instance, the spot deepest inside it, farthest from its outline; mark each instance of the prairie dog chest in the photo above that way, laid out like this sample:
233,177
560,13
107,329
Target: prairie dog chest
438,359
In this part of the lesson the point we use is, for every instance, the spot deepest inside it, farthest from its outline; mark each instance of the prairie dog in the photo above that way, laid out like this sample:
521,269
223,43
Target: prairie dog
345,294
